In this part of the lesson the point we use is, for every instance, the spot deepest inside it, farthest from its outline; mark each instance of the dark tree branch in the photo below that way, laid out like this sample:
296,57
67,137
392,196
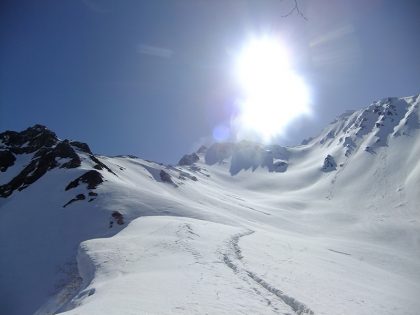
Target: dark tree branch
297,9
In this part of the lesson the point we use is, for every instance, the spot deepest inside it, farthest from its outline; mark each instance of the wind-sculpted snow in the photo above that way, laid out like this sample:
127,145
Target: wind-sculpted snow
177,259
328,227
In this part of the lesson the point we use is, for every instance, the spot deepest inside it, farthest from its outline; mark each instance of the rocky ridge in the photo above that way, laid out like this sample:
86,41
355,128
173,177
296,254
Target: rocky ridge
367,129
45,152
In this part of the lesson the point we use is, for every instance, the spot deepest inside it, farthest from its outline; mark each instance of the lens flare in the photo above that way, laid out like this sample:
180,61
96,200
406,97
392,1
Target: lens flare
274,94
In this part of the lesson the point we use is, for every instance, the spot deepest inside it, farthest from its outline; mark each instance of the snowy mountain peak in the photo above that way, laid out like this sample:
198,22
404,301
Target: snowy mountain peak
245,228
373,126
29,140
36,151
384,117
247,155
363,130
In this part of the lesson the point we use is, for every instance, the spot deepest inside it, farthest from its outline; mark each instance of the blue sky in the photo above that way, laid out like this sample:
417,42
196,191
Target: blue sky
154,78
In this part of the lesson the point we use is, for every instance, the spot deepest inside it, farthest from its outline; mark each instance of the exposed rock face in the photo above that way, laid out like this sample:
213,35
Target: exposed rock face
218,152
48,152
188,159
78,197
165,177
279,167
64,150
202,149
92,196
47,149
7,159
118,217
329,164
99,165
81,146
29,140
43,160
374,126
91,178
185,175
306,141
248,155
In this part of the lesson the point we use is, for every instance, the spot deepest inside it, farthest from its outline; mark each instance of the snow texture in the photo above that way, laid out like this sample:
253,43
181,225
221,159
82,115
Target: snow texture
240,228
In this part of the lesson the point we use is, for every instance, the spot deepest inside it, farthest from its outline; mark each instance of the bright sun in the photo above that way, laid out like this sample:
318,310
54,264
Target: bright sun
274,94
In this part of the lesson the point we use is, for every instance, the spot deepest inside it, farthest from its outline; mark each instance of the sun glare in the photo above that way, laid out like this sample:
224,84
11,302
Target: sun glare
273,93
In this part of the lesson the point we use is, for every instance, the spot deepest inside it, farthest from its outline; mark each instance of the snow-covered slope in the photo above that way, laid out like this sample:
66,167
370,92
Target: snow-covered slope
328,227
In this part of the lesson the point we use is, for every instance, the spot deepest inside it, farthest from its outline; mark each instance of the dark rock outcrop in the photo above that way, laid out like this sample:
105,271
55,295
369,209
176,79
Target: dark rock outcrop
29,140
43,160
244,155
78,197
99,165
202,149
329,164
218,152
247,155
7,159
91,178
81,146
165,177
188,159
184,176
118,217
49,152
306,141
250,156
64,150
28,175
279,167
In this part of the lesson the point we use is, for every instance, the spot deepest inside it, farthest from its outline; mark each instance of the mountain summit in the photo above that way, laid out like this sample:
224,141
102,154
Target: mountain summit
331,226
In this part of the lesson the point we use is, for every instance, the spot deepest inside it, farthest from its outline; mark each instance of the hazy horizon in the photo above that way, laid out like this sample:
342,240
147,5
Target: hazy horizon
154,79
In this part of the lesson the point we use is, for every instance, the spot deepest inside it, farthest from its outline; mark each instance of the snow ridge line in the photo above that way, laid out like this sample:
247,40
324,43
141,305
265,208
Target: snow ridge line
298,307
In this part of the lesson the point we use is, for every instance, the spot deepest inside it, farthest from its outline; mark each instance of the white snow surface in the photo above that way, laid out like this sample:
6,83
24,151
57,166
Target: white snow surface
302,241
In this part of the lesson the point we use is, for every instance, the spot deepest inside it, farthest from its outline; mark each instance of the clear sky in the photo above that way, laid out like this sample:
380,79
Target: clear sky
154,78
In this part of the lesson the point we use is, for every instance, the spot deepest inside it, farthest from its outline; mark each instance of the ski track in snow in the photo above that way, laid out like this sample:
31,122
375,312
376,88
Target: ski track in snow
178,250
233,259
185,234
